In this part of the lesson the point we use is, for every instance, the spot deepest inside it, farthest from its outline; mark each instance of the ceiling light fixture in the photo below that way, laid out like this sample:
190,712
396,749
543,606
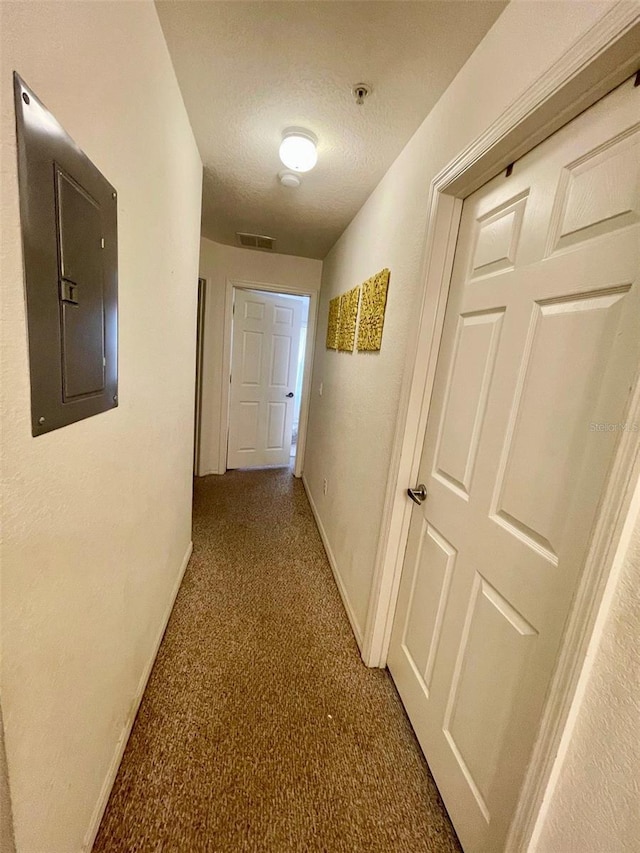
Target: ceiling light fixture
298,149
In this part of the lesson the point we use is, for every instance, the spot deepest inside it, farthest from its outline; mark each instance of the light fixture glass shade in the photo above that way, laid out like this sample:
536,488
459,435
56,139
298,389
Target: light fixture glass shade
298,150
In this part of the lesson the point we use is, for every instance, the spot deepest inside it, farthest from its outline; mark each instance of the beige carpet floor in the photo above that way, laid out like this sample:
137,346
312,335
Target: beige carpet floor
261,729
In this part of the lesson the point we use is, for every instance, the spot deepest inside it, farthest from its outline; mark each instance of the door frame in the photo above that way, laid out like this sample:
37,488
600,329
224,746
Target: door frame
200,330
600,60
226,365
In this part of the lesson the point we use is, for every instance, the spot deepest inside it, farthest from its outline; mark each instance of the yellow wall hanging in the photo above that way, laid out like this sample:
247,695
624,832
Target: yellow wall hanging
349,302
333,323
374,302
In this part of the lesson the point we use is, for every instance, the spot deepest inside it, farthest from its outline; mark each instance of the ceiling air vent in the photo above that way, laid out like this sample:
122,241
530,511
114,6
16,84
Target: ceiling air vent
256,241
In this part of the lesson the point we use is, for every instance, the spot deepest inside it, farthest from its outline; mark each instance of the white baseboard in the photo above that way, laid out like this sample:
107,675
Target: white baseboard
334,567
112,772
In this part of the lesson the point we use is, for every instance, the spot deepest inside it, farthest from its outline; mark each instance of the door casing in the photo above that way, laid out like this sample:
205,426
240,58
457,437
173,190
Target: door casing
599,61
200,331
226,365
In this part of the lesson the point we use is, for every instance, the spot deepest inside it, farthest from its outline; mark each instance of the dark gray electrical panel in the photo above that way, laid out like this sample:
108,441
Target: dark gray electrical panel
68,212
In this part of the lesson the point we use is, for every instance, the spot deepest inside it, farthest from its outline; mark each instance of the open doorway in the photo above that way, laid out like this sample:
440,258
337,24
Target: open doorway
267,378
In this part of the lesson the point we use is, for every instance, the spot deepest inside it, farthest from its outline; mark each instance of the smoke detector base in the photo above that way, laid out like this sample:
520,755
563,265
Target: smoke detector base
289,179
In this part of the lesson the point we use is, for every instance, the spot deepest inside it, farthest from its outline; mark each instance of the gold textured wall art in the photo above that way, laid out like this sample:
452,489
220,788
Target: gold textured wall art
349,302
333,323
374,302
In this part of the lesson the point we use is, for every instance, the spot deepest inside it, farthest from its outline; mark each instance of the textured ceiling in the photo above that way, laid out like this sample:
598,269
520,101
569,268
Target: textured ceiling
248,70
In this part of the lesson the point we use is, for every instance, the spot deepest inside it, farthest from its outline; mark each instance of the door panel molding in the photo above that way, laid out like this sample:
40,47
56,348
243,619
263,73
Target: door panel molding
430,628
576,81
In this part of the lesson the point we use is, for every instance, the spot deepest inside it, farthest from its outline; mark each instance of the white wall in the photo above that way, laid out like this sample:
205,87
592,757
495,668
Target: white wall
218,265
97,515
351,426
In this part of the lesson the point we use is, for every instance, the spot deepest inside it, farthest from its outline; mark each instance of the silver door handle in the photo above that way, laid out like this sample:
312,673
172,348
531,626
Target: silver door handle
418,494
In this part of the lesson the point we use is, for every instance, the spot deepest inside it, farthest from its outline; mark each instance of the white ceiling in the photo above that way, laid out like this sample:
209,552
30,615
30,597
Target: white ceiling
248,70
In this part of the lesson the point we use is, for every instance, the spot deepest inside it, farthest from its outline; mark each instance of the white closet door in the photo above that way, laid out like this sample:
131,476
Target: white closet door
540,349
264,362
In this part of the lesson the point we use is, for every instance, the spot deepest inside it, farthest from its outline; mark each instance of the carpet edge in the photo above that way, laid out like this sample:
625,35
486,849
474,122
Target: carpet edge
112,772
334,567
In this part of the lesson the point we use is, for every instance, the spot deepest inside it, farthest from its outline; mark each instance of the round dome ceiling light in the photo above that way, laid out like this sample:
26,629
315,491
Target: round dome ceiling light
298,149
289,179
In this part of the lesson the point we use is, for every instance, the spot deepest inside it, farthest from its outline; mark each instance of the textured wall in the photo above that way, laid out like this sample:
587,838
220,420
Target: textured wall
352,425
96,515
219,264
596,802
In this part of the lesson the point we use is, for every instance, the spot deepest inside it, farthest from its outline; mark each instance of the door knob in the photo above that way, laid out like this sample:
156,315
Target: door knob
290,394
418,494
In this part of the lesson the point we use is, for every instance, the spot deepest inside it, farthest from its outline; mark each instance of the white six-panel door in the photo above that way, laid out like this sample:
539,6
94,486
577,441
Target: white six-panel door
264,363
540,348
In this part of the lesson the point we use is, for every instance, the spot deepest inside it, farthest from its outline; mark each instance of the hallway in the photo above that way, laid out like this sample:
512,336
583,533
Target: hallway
260,729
